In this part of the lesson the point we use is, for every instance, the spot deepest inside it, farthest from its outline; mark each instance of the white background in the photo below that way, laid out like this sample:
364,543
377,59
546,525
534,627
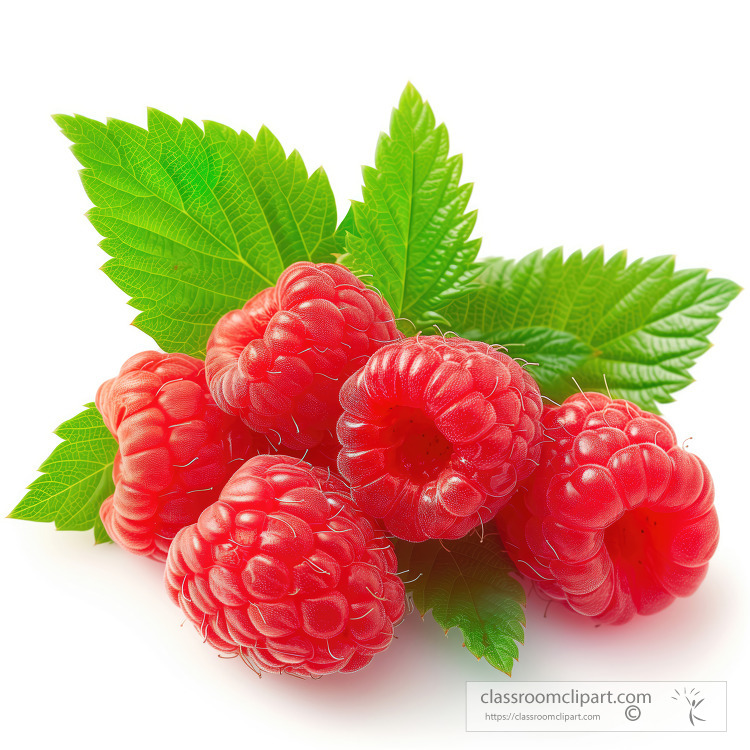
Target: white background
616,123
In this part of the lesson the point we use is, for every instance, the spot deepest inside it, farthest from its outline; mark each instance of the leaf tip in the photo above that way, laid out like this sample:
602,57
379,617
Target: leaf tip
66,123
410,92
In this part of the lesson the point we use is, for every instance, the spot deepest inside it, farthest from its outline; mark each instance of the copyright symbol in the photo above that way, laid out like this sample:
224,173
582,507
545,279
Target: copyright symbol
632,713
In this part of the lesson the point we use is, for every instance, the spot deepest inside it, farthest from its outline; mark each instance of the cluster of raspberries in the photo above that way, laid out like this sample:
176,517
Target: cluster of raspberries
271,476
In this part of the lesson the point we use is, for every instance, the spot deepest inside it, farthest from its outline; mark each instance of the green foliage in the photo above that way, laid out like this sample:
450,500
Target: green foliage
411,232
197,221
642,325
76,478
468,584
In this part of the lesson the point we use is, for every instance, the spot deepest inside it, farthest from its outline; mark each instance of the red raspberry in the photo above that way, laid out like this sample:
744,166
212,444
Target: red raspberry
176,449
436,433
285,572
279,362
617,520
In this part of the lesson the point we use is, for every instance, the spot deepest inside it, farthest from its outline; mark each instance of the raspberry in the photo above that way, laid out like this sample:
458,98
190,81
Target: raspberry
176,449
436,433
618,519
279,362
285,572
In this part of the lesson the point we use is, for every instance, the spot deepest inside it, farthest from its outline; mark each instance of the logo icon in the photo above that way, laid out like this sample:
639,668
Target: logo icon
692,700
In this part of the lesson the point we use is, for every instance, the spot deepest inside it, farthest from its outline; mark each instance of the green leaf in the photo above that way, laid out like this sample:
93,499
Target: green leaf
198,221
411,230
467,584
76,479
641,325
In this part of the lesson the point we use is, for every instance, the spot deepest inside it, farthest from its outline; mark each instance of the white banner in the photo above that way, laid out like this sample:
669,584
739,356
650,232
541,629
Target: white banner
596,706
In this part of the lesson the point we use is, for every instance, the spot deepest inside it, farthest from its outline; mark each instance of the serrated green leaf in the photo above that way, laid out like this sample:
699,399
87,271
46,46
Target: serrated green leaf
198,221
76,478
467,584
411,232
644,323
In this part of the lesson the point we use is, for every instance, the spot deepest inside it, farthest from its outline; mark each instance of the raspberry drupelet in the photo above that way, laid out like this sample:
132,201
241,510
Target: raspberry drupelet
618,520
285,572
176,449
280,361
436,433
